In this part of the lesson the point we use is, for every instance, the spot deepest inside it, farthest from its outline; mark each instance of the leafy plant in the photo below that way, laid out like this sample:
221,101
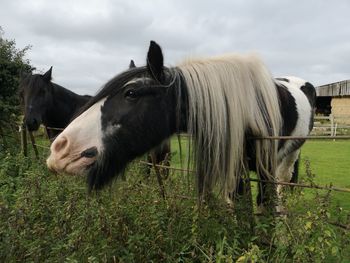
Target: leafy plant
46,217
12,63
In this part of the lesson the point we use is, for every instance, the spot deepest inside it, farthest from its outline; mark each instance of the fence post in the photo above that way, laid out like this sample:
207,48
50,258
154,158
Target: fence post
331,118
23,131
33,144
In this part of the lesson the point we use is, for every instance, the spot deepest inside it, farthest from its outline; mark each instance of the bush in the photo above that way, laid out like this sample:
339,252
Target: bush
12,63
46,218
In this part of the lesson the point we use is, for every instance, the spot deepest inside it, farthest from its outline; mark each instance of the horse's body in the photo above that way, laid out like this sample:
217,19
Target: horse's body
48,103
222,102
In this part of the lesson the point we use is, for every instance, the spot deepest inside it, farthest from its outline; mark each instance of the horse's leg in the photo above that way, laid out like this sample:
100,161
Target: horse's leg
165,155
48,133
161,155
295,174
259,197
286,170
159,177
153,158
266,198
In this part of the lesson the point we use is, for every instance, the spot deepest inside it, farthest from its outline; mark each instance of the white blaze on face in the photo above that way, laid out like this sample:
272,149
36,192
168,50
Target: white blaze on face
81,134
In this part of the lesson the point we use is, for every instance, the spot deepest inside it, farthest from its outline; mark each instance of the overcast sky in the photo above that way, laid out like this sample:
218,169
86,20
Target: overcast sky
88,42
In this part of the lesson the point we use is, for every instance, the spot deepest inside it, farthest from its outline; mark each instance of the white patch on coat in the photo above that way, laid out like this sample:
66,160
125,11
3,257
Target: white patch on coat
303,108
135,80
111,129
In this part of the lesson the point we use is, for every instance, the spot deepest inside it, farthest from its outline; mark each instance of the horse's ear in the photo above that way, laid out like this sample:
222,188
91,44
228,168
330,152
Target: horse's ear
23,74
48,74
132,64
155,60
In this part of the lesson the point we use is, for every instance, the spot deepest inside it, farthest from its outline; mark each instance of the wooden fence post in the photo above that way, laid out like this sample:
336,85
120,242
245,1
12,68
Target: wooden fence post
331,118
23,131
33,144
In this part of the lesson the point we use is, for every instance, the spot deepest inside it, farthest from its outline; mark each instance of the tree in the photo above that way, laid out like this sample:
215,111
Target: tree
12,64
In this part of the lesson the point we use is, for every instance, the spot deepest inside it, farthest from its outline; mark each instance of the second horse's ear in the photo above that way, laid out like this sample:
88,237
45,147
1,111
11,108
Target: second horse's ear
48,75
23,74
155,62
132,64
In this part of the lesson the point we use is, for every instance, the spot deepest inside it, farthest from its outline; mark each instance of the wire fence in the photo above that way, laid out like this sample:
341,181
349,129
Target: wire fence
313,186
157,166
23,131
331,125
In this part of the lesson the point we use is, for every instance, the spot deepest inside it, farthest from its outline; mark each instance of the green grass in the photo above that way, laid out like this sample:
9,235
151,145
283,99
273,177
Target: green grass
330,163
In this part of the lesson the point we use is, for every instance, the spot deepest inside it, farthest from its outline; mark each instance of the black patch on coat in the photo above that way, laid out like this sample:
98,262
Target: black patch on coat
288,110
310,92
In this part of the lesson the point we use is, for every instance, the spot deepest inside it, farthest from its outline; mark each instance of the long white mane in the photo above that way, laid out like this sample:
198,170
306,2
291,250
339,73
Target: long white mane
229,96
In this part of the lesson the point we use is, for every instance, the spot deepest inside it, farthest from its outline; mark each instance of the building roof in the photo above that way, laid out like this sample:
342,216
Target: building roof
337,89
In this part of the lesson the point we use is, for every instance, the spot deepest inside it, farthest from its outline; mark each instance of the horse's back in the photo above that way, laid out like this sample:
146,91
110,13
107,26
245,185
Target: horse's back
298,83
304,95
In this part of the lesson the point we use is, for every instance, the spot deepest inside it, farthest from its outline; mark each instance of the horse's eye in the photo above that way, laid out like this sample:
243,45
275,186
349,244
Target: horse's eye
130,94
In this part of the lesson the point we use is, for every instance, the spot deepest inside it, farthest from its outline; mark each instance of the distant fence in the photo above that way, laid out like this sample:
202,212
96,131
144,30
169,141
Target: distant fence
331,125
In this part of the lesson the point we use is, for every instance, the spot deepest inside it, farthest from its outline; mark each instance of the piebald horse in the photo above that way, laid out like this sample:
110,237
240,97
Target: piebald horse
221,101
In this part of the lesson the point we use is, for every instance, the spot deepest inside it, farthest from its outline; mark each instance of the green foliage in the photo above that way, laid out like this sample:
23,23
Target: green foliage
12,63
308,236
45,217
330,163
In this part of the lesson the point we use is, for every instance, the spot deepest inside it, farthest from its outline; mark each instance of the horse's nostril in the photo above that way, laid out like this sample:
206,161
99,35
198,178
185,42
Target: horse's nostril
89,153
60,144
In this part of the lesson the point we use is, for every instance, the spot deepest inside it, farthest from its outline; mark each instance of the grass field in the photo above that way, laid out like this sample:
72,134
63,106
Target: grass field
330,163
45,217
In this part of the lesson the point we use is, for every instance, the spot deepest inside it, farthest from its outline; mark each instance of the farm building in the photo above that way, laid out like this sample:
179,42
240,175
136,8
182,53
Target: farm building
334,99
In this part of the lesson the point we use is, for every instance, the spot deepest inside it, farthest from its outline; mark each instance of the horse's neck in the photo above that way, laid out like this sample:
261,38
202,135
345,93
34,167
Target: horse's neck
64,105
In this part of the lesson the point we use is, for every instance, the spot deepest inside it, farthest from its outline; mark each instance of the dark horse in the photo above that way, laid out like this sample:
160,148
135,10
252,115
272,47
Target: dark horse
223,102
48,103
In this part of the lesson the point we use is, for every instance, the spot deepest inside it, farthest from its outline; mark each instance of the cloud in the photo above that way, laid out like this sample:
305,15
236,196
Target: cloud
88,42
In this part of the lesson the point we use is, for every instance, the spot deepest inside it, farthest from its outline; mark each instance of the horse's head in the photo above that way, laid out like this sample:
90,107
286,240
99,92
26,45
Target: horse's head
35,92
133,113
